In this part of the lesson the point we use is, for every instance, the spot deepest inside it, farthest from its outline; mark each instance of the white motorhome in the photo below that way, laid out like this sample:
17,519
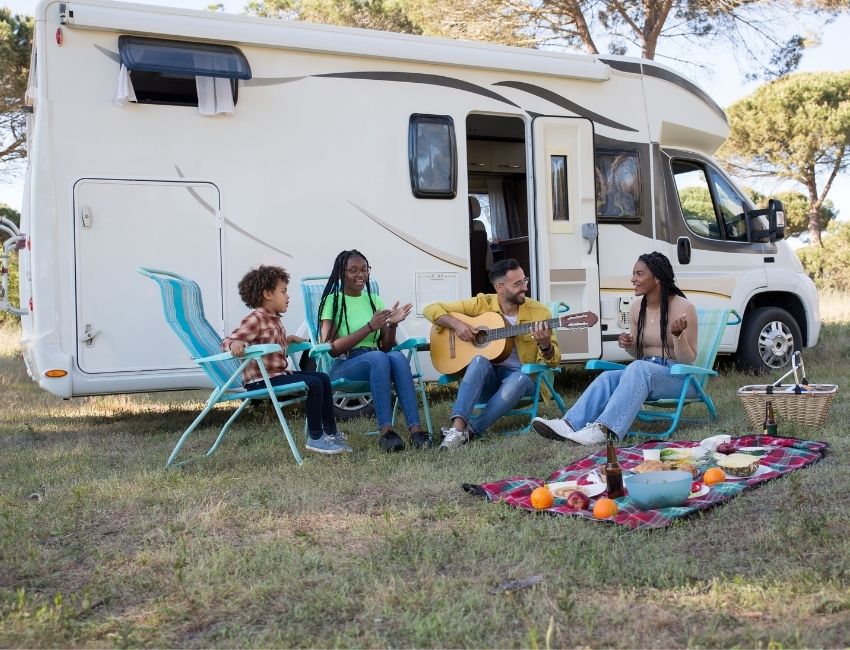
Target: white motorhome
206,144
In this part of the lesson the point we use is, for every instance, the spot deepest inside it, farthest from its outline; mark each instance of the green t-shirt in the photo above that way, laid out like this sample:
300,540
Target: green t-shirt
358,312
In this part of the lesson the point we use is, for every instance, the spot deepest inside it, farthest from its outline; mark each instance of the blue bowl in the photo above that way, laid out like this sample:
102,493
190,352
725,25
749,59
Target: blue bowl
652,490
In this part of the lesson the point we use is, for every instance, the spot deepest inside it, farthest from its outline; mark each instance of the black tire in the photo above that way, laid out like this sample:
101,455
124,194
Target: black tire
347,408
769,336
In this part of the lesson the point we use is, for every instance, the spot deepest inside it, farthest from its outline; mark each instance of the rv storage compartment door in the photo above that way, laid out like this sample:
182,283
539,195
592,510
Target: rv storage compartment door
565,218
120,225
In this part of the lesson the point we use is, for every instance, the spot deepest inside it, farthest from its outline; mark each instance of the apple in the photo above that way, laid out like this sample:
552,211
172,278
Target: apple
726,448
696,486
577,500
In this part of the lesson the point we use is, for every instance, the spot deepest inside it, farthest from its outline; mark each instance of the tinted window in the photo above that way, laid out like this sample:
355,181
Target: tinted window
618,185
432,156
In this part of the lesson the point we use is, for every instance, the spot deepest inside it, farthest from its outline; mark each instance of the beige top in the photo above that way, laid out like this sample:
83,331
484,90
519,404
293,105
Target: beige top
684,348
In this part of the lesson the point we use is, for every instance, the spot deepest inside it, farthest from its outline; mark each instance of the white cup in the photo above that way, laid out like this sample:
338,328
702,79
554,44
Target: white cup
652,454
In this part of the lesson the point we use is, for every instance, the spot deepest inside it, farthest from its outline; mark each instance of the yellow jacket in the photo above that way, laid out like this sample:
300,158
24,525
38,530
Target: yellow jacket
529,312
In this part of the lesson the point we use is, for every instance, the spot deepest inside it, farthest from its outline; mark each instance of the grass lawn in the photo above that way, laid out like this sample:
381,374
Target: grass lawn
101,546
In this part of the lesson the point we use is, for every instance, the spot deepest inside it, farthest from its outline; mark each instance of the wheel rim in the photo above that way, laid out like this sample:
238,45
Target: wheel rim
776,344
353,403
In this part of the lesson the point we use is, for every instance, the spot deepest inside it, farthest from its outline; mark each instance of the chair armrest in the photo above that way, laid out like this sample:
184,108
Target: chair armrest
293,348
599,364
736,315
445,380
684,369
320,349
412,343
251,352
531,368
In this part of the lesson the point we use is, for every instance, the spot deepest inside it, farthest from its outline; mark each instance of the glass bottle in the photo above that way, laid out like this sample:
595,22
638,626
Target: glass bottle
613,473
768,427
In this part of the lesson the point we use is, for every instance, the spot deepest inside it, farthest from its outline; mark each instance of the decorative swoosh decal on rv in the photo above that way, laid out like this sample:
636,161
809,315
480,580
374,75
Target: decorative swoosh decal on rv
112,55
270,81
238,229
563,102
419,78
425,248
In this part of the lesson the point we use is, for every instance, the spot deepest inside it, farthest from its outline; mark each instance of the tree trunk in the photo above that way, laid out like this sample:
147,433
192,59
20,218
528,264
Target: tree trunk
815,204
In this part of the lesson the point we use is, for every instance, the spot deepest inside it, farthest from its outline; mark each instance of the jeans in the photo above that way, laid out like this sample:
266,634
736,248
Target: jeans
501,387
382,370
615,397
320,405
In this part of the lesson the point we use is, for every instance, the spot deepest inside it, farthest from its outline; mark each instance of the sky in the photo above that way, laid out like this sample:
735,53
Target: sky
723,82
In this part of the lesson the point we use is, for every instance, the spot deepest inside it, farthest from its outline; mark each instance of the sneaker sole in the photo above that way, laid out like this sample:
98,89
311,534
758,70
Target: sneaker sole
327,452
547,432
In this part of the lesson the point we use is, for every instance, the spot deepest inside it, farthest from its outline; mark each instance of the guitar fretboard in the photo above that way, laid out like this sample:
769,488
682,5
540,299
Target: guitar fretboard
524,328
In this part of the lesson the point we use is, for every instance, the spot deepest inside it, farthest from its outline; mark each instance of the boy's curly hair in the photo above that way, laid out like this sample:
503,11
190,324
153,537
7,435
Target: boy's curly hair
255,281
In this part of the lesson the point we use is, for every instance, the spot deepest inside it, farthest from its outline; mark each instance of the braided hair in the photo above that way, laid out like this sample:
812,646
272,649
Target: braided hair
335,292
662,270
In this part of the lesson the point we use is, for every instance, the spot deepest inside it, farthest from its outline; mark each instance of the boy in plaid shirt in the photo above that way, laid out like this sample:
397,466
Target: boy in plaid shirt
265,290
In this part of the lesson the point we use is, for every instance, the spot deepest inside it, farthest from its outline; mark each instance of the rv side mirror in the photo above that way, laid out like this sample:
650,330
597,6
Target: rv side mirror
776,219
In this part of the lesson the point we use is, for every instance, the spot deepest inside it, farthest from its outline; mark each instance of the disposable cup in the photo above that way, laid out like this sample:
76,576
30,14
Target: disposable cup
652,454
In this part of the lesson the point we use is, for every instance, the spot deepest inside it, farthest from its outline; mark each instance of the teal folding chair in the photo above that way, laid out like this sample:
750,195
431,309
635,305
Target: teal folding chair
543,376
345,390
184,312
711,325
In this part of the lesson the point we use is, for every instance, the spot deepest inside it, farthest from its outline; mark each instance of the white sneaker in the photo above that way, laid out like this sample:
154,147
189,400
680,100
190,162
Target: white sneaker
556,429
592,434
452,438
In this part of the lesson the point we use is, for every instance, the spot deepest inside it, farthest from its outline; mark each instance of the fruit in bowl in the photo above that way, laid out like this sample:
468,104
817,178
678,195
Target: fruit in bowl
652,490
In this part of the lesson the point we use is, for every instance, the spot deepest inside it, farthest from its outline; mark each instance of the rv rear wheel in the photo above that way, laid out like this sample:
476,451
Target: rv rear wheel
347,408
769,336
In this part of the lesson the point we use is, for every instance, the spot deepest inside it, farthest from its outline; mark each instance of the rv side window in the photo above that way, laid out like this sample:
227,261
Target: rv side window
432,156
560,203
168,72
618,185
731,207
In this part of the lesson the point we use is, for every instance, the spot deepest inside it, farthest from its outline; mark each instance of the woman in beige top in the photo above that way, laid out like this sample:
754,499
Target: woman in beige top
665,327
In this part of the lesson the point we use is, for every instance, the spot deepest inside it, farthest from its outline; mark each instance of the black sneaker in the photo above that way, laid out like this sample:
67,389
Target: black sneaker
391,441
420,439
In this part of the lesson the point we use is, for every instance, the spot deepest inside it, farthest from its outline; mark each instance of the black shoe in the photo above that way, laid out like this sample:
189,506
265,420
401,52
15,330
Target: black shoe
420,439
391,441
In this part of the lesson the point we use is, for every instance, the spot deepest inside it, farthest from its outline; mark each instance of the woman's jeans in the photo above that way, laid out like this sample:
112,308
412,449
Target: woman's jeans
382,370
320,404
615,397
500,386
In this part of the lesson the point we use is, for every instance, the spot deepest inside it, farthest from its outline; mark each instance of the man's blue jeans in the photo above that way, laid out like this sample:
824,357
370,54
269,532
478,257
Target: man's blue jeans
615,397
382,370
501,387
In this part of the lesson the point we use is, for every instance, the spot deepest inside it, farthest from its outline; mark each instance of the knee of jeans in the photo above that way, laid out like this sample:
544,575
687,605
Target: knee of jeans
397,358
519,385
478,361
378,359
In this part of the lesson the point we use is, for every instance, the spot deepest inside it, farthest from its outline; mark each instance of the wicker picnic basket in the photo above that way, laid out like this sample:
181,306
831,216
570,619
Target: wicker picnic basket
810,407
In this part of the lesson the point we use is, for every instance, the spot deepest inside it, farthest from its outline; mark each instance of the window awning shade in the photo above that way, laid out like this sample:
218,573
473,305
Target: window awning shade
183,58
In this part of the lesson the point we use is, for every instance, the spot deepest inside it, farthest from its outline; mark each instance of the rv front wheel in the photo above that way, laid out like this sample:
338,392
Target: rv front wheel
346,408
769,336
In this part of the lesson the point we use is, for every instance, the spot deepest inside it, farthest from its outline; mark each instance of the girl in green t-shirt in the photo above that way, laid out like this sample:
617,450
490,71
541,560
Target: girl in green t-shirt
362,331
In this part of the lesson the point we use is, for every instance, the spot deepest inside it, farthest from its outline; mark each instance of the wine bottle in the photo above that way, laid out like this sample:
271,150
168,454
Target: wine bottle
613,472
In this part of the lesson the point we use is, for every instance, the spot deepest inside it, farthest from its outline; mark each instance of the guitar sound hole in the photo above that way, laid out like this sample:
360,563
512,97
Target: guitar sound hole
480,338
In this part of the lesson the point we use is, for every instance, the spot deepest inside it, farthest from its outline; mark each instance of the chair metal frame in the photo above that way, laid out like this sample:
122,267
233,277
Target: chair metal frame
311,290
184,312
711,324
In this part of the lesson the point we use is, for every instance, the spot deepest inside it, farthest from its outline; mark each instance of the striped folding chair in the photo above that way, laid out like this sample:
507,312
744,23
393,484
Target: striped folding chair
184,313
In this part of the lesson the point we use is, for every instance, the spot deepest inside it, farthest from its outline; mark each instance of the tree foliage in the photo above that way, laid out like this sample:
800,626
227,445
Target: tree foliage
15,46
796,128
829,264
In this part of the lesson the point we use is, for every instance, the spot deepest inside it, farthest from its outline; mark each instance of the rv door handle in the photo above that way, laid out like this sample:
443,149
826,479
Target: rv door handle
85,215
88,335
683,249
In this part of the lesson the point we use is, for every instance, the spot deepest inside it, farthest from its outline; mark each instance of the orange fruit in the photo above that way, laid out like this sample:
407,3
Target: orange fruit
713,475
541,498
605,508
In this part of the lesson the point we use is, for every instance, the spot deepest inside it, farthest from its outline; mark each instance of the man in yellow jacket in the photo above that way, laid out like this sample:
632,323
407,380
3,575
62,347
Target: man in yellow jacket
500,384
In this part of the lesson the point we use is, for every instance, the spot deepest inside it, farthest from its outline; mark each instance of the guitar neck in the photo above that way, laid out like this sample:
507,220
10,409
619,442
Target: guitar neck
524,328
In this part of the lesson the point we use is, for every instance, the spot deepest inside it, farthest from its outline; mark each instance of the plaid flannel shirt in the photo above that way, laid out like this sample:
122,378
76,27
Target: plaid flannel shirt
260,326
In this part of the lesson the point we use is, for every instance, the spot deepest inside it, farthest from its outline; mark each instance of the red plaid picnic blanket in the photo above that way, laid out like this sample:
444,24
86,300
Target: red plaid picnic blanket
785,455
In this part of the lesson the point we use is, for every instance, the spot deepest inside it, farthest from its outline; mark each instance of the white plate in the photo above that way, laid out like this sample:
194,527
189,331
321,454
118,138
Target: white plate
591,489
702,492
753,451
762,469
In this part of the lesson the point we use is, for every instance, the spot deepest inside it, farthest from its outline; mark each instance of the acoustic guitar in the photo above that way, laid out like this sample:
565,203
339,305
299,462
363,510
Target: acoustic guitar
493,338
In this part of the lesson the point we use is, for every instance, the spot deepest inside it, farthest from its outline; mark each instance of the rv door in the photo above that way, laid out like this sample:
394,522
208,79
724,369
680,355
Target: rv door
120,225
565,222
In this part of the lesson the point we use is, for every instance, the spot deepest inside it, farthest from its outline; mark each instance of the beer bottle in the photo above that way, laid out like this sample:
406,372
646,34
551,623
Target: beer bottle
613,473
769,427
